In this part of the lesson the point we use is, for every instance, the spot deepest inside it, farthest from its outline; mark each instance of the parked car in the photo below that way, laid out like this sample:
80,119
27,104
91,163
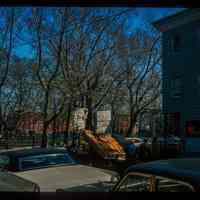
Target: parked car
143,150
174,175
53,169
128,146
135,148
136,141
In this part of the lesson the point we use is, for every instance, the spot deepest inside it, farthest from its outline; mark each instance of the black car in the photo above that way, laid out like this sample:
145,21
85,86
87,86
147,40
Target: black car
174,175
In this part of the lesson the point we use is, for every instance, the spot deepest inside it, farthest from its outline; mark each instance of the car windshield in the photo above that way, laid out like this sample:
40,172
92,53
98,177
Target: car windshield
45,160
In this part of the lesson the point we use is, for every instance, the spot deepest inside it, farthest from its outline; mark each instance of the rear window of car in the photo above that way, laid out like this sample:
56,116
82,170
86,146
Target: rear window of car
170,185
44,160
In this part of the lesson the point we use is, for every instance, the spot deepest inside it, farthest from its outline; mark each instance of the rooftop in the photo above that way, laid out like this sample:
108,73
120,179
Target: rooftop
180,18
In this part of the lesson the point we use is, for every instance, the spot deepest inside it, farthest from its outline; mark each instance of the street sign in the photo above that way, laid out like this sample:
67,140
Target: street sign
79,118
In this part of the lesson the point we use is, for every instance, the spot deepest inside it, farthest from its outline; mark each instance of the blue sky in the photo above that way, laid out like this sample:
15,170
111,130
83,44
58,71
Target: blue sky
144,14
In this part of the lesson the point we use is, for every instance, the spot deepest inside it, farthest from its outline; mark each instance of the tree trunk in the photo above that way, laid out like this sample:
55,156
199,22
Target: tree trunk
133,120
66,136
113,120
33,139
7,139
89,116
44,136
54,133
45,124
140,123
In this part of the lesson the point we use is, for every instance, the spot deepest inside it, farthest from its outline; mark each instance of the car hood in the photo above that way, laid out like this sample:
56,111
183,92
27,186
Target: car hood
70,178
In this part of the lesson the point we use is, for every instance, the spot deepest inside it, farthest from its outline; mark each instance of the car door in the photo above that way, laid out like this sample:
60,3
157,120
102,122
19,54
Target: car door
135,182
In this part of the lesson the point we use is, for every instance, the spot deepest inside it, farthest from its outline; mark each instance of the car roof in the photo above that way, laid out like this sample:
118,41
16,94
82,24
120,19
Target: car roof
33,151
185,169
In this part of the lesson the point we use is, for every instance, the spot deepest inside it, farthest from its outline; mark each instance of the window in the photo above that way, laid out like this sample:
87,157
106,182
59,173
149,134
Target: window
172,123
193,128
176,43
138,182
176,87
135,183
169,185
44,160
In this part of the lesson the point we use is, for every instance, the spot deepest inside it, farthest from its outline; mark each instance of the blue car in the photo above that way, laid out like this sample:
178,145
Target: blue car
133,151
173,175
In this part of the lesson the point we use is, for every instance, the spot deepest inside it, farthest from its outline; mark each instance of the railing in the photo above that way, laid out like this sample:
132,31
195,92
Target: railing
19,142
27,141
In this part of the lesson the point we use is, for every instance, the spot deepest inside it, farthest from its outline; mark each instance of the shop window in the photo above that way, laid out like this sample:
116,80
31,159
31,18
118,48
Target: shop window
193,128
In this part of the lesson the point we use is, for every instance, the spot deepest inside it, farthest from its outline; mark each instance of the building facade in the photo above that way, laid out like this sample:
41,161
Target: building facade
33,122
181,76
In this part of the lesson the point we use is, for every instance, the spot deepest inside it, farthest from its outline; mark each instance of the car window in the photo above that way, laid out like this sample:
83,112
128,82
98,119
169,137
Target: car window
44,160
135,183
169,185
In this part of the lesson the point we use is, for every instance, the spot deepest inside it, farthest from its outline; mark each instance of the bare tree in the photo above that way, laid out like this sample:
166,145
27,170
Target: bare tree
140,56
90,51
47,68
6,52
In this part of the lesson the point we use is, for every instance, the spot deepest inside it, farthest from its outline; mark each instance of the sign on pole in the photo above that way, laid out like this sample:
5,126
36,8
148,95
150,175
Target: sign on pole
103,121
79,118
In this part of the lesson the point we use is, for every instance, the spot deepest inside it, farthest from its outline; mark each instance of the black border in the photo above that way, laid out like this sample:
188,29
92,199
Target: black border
103,3
89,3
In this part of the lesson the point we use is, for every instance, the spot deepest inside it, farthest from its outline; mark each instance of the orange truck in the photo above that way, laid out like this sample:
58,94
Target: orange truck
105,145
